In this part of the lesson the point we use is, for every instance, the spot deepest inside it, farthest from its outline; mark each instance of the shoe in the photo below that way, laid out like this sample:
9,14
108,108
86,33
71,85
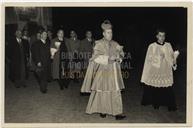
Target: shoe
44,91
50,80
170,109
120,117
103,115
66,86
144,104
24,86
61,88
76,81
156,107
84,94
122,91
17,86
81,94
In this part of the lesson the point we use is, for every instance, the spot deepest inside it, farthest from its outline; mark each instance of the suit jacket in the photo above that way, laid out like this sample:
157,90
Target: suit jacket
72,45
41,53
86,45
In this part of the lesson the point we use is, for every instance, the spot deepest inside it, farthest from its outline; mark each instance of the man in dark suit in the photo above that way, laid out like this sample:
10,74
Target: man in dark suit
26,44
18,53
86,49
41,57
73,45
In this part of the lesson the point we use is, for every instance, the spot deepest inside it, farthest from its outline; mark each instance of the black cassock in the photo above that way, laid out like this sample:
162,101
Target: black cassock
41,53
18,54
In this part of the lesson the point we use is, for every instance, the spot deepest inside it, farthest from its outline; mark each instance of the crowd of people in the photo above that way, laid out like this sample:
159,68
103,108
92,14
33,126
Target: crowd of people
64,59
60,58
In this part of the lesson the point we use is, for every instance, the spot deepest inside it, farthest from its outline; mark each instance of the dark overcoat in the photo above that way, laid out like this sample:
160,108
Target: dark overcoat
18,55
41,53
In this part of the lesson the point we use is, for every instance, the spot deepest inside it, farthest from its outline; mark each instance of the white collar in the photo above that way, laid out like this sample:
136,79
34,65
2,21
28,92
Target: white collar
18,40
74,38
43,41
89,39
25,37
60,39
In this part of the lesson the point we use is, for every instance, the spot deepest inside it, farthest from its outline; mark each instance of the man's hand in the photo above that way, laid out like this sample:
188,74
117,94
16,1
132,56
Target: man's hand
52,57
176,54
113,58
39,64
175,67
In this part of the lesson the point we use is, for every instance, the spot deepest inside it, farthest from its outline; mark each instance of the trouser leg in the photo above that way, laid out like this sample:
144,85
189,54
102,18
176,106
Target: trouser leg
60,84
63,83
37,77
43,86
43,81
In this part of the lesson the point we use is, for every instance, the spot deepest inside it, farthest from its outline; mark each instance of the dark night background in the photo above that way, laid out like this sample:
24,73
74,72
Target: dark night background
134,27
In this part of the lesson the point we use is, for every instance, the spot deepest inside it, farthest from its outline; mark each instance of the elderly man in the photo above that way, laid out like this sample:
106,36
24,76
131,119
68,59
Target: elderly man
18,57
103,78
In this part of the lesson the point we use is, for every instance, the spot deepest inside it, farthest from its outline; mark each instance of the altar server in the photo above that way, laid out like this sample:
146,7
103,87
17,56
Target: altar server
157,76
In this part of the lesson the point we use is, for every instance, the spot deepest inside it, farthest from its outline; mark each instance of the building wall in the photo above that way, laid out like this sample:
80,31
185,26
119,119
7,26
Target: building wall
22,15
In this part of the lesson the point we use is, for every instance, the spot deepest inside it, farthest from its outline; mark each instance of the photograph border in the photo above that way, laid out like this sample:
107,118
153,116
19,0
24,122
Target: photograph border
187,5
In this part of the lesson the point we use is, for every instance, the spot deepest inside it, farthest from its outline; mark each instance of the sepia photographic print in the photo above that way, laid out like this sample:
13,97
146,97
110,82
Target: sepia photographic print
96,64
